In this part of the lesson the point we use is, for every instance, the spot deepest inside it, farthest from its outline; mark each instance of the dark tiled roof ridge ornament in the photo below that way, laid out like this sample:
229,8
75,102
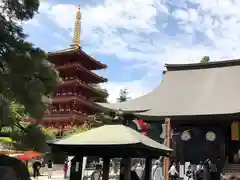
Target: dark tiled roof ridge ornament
211,64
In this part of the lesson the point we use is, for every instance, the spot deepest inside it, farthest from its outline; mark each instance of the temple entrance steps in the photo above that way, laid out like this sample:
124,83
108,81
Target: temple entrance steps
230,170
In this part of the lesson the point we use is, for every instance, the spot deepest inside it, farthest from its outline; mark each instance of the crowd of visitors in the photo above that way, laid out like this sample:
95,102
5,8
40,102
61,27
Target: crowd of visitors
197,172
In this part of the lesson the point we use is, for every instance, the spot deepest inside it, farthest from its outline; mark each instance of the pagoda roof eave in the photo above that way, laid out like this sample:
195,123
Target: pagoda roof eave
77,49
101,66
80,68
210,89
63,51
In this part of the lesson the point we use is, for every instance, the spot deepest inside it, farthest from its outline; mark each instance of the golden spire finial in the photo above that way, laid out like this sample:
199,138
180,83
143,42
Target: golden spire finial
77,29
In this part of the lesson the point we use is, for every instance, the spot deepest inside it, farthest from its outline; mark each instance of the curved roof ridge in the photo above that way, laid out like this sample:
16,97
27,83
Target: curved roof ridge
212,64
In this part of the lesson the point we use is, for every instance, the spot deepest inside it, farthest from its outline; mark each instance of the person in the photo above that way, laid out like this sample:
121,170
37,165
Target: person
97,173
65,169
139,170
189,173
50,166
133,174
173,174
157,173
42,163
200,171
36,169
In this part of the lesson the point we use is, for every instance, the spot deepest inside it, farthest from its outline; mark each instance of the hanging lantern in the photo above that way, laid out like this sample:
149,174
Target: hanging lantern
143,126
144,133
210,136
186,136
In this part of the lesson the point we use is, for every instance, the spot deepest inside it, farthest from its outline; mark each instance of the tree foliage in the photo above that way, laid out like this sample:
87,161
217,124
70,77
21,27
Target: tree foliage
25,74
102,117
76,130
22,132
26,77
205,59
123,95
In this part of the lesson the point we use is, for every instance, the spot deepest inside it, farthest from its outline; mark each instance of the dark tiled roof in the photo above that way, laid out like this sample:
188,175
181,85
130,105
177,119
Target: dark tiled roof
190,90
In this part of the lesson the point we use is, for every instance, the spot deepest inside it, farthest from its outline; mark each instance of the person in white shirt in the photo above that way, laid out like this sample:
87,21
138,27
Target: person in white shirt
173,174
139,170
157,172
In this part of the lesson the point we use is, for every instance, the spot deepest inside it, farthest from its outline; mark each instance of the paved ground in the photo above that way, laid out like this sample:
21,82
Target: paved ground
57,173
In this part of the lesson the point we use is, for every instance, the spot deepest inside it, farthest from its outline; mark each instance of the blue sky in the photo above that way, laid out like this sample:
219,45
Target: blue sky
135,38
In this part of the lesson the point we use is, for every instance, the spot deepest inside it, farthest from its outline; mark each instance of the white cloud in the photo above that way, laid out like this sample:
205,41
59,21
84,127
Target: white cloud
34,22
132,31
134,88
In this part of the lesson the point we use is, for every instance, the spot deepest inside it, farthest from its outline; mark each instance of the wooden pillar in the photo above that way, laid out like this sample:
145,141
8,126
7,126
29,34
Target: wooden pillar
127,168
148,169
167,143
76,168
106,163
72,169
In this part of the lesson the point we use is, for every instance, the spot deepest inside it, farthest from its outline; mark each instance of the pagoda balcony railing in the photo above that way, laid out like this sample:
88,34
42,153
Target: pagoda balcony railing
70,93
93,86
67,110
75,97
90,99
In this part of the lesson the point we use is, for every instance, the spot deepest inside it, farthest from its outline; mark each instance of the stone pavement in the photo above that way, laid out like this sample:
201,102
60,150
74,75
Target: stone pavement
56,175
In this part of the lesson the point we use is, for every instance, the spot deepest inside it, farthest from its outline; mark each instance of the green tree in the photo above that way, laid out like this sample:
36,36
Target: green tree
104,118
205,59
25,74
123,95
26,77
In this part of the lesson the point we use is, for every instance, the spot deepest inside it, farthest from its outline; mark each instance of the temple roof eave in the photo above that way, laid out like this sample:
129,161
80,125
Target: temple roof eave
114,107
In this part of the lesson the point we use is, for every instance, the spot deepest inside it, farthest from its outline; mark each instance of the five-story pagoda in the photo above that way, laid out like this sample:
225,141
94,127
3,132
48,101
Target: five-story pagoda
75,97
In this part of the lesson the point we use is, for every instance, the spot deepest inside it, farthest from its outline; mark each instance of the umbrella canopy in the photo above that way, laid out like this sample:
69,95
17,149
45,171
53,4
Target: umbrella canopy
102,141
29,155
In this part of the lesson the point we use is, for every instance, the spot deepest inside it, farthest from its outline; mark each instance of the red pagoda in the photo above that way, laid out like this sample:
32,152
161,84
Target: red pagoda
75,97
